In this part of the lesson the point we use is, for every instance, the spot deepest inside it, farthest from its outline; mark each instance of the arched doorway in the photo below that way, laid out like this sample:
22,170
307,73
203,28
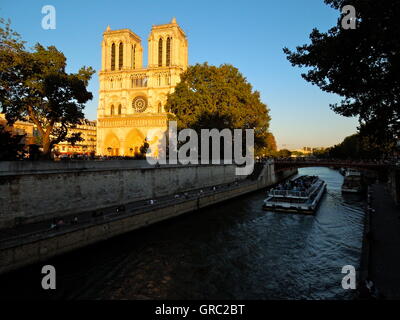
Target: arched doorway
133,141
111,145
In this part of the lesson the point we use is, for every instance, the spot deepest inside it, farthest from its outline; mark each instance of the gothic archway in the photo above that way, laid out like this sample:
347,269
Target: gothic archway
133,141
112,145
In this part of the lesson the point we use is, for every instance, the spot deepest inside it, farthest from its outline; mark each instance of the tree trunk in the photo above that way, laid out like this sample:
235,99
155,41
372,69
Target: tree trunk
46,147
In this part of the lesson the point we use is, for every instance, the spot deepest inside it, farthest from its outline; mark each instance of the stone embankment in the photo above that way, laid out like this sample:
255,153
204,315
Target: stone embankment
38,236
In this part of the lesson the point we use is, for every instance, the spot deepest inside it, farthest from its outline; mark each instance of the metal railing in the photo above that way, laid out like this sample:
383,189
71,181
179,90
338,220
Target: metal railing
289,193
297,194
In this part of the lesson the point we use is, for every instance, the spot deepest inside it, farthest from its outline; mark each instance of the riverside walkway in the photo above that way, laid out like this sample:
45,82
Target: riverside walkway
384,244
51,227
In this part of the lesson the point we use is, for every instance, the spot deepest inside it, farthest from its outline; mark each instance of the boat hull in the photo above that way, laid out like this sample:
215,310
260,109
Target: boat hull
288,210
353,182
309,208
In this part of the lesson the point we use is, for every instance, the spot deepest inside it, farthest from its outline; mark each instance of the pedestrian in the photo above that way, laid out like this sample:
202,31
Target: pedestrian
53,225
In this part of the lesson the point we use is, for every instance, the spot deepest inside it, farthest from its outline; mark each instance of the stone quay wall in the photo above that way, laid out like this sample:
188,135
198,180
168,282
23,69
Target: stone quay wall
42,247
36,191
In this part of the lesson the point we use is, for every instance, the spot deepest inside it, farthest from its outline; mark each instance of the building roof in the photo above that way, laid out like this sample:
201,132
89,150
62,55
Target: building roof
173,23
119,31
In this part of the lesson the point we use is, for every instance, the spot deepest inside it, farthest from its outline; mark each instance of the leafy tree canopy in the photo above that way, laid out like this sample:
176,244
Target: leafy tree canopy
362,65
284,153
355,147
34,85
218,97
270,147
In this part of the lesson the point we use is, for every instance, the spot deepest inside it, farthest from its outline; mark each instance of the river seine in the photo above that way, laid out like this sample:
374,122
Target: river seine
234,250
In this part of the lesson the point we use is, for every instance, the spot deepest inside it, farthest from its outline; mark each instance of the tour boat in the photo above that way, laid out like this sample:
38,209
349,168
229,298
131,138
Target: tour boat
353,182
301,195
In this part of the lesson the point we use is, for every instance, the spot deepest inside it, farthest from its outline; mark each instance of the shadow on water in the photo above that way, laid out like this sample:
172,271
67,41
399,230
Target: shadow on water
233,250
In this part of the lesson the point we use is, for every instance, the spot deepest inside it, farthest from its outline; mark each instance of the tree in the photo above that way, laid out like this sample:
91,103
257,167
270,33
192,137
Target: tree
349,148
209,97
270,147
35,86
284,153
11,146
362,65
356,146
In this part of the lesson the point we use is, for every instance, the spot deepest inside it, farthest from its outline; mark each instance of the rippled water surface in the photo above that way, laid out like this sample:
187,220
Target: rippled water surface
234,250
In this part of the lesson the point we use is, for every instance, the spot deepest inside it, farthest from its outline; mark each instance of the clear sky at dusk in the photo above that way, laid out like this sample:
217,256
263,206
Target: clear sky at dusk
248,34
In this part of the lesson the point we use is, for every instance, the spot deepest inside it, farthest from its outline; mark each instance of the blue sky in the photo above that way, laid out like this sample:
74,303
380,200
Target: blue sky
248,34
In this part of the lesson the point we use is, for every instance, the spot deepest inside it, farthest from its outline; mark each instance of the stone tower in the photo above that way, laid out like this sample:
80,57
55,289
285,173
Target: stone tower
131,97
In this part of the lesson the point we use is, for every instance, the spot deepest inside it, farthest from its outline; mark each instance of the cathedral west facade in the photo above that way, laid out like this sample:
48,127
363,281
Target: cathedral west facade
131,97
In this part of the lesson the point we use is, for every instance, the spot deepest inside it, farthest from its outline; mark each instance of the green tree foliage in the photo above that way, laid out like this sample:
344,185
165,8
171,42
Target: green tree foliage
34,85
362,65
354,147
284,153
218,97
321,153
270,147
11,146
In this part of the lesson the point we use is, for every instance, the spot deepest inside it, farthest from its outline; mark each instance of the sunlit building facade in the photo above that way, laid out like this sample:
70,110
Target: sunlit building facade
132,97
88,131
20,128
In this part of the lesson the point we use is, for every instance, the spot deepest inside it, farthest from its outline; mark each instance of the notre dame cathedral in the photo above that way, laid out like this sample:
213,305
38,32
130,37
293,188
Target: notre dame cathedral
132,97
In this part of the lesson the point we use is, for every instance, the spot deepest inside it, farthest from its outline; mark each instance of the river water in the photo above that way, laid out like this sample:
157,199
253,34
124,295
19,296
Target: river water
233,250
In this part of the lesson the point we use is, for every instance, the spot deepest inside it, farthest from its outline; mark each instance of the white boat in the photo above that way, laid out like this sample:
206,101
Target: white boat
352,182
300,195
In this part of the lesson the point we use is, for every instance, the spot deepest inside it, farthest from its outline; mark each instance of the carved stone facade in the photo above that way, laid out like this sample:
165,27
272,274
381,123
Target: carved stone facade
132,98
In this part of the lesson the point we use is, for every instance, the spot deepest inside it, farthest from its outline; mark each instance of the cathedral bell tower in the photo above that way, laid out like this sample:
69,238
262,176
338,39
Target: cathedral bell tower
121,50
168,46
131,97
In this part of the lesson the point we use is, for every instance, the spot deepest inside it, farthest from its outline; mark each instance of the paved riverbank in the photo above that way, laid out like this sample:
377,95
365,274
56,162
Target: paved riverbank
87,218
30,243
381,263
